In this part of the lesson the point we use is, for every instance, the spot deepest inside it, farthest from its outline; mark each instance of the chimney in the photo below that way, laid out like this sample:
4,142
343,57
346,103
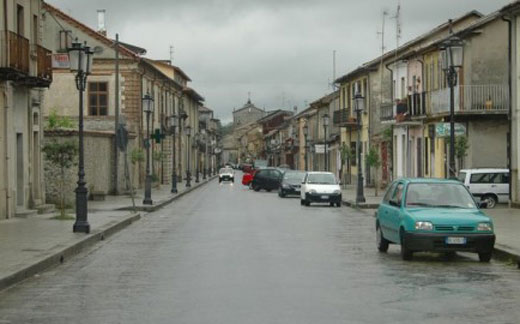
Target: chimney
101,22
295,109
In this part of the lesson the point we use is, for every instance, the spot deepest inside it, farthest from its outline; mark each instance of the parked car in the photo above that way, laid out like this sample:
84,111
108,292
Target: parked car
267,178
226,174
260,164
490,185
433,215
291,183
246,167
320,187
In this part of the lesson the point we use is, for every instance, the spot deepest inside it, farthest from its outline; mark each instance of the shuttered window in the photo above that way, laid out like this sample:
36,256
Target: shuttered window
98,98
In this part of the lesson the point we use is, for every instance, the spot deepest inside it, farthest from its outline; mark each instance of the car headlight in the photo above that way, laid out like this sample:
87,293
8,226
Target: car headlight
425,226
286,186
485,227
312,191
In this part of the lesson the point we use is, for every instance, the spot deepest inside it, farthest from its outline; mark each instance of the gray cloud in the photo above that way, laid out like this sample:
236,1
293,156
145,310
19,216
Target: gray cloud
279,50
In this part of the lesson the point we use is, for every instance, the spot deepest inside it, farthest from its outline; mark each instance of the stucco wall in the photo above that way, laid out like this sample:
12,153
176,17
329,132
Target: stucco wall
487,144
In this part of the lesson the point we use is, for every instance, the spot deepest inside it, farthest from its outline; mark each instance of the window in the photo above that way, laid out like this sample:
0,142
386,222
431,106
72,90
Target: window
98,98
35,29
398,194
486,178
403,88
480,178
20,23
65,40
389,192
426,160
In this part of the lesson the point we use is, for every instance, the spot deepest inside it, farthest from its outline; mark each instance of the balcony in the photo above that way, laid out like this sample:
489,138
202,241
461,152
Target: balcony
387,112
14,55
416,103
342,118
43,65
472,99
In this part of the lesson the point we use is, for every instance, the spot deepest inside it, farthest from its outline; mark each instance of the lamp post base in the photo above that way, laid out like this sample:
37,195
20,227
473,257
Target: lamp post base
360,196
81,225
188,180
148,191
174,184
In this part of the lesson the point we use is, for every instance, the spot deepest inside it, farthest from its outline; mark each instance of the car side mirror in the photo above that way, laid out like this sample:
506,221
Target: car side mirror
394,203
482,204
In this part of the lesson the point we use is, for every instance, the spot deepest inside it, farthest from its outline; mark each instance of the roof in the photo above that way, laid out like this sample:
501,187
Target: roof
89,31
368,66
327,99
192,93
513,6
428,180
133,48
205,109
175,68
247,106
274,113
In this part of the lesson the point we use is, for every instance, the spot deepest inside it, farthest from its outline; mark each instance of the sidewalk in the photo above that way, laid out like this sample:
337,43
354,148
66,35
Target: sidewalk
31,245
506,221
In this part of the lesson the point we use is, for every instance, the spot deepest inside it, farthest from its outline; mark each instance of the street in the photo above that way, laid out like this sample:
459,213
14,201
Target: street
226,254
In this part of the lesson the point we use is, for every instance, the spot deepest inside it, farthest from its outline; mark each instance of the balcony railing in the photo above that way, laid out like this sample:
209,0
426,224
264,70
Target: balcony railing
44,63
342,118
416,103
387,112
485,98
14,52
472,99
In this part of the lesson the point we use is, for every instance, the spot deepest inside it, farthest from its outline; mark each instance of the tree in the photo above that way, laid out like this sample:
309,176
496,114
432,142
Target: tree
374,161
54,122
461,149
63,155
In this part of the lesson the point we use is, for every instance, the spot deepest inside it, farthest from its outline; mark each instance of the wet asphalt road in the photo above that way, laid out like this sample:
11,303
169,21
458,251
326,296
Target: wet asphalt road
225,254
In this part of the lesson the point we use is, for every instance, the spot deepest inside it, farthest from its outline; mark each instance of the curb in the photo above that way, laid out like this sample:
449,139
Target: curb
168,201
60,256
503,253
353,204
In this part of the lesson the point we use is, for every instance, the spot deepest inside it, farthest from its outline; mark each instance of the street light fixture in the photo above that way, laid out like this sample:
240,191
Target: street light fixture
174,121
187,130
360,106
451,57
148,108
325,126
306,146
81,59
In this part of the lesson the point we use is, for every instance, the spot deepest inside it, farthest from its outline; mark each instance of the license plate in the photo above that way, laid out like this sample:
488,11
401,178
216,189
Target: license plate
455,240
324,197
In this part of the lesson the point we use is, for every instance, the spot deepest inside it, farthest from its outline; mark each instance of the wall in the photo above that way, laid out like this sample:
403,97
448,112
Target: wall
487,144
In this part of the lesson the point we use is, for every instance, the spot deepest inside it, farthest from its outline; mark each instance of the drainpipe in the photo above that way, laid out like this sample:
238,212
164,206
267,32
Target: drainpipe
6,149
510,115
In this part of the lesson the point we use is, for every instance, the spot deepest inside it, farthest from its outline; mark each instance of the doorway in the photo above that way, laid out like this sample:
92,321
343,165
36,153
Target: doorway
20,196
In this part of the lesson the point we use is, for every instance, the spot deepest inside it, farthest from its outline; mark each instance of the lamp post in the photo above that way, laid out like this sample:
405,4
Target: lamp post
173,125
325,126
196,139
148,109
451,56
306,146
81,57
360,106
213,161
188,149
205,164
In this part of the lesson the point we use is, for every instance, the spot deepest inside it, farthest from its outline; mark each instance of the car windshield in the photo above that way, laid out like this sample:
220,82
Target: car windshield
321,178
226,170
297,176
441,195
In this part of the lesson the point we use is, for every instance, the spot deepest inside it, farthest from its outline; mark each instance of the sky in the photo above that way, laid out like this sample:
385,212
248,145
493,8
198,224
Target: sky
278,52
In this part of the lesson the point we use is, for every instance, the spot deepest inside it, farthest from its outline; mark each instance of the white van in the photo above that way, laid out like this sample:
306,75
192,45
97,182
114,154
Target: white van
491,185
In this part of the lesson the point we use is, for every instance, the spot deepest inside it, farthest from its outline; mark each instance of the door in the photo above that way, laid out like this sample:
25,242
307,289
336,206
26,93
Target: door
479,184
385,210
20,197
500,186
394,213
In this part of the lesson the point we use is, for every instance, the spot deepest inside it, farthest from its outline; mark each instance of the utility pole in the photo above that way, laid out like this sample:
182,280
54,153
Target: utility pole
116,98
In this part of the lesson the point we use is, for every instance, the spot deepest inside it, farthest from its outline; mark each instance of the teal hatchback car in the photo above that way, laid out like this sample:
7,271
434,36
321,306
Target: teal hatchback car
433,215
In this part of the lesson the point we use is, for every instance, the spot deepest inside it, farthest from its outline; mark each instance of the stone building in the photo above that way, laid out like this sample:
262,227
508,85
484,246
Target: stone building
25,72
113,98
247,114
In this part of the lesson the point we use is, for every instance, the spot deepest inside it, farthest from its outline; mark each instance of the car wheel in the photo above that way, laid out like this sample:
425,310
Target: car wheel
306,203
450,255
281,194
302,202
256,188
382,243
484,256
491,201
338,205
268,190
406,254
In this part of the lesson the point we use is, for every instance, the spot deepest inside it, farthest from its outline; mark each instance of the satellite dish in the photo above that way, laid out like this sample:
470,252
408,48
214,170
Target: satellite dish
98,50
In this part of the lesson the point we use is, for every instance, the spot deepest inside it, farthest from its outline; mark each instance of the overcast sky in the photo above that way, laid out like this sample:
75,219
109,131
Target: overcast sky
279,50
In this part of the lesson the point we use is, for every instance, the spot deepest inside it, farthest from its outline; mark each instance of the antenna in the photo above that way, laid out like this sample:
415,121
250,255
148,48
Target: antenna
333,70
171,54
383,48
398,30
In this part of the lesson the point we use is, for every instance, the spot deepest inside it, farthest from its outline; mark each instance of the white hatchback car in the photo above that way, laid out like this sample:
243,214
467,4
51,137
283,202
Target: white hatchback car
490,185
320,187
226,174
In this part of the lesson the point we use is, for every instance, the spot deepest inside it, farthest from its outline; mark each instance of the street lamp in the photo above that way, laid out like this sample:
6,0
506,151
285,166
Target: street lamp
187,129
360,106
81,57
196,139
205,165
451,57
148,109
325,126
173,125
306,147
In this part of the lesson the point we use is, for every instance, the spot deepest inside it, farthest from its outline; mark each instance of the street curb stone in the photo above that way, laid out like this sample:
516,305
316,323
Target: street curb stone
64,254
353,204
